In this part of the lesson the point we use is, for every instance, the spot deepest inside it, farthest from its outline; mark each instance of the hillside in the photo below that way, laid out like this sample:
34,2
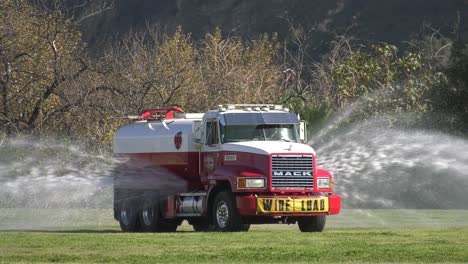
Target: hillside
388,21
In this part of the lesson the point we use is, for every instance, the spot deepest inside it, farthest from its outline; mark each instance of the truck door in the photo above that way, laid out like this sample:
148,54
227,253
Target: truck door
209,155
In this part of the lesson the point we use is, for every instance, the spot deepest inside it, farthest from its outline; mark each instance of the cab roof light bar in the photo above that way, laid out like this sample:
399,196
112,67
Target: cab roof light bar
156,113
257,107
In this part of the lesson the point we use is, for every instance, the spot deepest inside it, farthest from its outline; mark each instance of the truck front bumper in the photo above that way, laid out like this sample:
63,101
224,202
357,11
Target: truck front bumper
249,205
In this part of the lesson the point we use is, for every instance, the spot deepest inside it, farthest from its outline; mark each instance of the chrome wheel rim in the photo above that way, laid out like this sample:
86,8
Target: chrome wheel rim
124,217
148,216
222,214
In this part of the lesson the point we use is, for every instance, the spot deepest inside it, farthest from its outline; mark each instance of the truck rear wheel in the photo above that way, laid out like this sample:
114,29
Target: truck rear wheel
128,216
151,219
226,218
312,223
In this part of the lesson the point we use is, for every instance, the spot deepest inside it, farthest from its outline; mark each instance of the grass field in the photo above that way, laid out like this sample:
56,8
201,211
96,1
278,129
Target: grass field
356,236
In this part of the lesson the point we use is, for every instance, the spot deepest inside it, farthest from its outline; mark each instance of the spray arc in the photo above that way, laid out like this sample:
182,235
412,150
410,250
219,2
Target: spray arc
383,167
224,170
47,184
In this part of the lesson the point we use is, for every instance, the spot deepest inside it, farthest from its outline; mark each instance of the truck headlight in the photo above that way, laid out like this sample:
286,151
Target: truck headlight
250,183
323,183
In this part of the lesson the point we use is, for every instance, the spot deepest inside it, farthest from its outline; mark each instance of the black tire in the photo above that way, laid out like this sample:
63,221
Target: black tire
151,219
128,216
149,216
225,215
312,223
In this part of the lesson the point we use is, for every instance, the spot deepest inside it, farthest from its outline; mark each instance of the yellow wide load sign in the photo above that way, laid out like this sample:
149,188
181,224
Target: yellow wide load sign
290,205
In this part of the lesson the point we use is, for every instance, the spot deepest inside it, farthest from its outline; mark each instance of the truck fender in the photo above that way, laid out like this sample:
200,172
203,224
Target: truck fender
230,173
323,173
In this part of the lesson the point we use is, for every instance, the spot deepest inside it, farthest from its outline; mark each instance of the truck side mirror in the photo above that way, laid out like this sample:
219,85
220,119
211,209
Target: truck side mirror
303,131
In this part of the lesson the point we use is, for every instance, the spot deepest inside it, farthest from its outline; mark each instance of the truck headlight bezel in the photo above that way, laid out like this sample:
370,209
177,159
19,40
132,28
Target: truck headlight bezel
251,183
324,183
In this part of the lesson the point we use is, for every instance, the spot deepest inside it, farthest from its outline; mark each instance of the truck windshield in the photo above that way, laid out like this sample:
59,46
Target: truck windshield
269,132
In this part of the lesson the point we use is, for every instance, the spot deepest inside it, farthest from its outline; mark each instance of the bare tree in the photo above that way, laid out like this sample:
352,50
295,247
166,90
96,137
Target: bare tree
239,71
41,54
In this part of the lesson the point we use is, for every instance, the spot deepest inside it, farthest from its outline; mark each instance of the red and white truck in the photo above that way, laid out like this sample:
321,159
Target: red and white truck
222,170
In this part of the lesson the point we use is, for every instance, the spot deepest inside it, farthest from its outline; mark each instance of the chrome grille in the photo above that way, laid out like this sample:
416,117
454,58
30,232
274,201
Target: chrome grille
292,172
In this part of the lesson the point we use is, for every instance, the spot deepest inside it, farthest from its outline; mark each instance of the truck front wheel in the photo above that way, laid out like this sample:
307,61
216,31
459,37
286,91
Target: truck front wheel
226,218
128,217
312,223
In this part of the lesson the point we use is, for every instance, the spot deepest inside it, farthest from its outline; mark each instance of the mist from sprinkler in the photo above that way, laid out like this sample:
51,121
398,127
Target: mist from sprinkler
46,184
377,166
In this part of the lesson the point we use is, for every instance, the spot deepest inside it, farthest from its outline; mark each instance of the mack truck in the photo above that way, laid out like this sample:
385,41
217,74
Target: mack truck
222,170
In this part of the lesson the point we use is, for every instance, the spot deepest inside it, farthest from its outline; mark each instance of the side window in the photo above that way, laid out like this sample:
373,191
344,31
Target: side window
212,133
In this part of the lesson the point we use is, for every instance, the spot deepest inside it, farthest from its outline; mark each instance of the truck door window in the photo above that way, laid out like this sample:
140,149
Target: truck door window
212,133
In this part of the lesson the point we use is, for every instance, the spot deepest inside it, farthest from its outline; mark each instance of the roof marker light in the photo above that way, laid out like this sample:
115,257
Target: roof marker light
278,107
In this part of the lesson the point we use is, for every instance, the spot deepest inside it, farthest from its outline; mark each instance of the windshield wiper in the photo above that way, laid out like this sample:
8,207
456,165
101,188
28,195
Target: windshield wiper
278,139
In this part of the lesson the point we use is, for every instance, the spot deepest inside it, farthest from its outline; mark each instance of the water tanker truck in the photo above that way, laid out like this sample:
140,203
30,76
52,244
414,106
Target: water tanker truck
222,170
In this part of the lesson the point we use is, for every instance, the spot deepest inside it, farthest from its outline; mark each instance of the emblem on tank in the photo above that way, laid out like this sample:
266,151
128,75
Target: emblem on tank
178,140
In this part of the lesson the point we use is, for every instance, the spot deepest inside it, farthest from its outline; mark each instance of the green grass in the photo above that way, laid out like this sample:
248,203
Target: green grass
345,245
362,238
12,219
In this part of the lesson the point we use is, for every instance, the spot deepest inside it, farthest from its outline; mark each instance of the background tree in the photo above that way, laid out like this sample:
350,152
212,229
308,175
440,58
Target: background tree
238,71
153,69
41,55
453,99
